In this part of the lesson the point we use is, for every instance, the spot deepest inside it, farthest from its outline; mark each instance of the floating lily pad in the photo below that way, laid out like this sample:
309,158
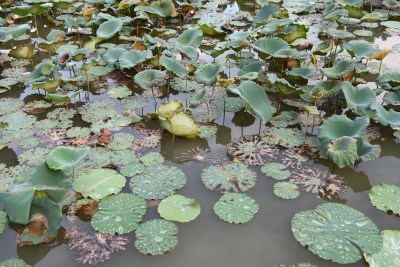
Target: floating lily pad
179,208
119,214
132,169
121,141
277,171
386,197
14,262
336,232
156,237
236,208
286,137
286,190
389,255
152,158
3,221
119,92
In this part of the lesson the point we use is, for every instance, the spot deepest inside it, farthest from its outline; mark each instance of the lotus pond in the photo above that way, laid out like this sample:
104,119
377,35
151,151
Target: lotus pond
199,133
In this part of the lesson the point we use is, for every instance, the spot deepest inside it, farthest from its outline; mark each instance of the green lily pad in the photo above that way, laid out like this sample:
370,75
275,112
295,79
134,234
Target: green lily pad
173,65
119,92
132,169
285,119
386,197
65,158
119,214
286,190
99,183
229,104
130,59
3,221
389,255
236,177
270,46
14,262
179,208
286,137
156,237
152,158
236,208
336,232
277,171
121,141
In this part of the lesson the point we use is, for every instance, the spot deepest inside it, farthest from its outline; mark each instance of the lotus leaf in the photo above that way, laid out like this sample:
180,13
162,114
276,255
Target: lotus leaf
339,34
391,77
386,197
358,99
10,105
207,74
286,190
366,151
391,24
389,255
183,125
360,49
22,52
148,79
285,119
18,120
132,169
255,67
156,237
336,232
304,73
386,117
265,13
277,171
343,151
121,141
65,158
169,109
191,37
99,183
173,65
270,46
179,208
157,182
113,54
236,177
130,59
236,208
109,28
120,213
152,158
339,70
14,262
286,137
229,104
165,7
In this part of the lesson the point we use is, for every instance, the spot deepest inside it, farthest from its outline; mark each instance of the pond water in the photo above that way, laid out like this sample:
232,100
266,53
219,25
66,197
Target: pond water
267,240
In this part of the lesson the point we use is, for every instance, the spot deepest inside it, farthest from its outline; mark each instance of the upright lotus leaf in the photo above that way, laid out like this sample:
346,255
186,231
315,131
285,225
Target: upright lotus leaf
236,177
392,77
109,28
51,212
99,183
148,79
181,124
3,221
150,11
366,151
338,126
278,171
336,232
192,37
286,190
339,70
65,158
22,51
358,99
281,84
386,117
173,65
207,74
113,54
328,88
179,208
389,255
360,49
343,151
157,182
386,197
336,14
14,262
255,99
130,59
120,213
236,208
165,7
255,67
303,73
169,109
270,46
265,13
156,237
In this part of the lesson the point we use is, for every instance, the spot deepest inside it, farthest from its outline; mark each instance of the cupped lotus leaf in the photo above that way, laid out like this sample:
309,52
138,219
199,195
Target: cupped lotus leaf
148,79
99,183
109,28
22,52
14,262
65,158
386,117
50,212
255,99
286,190
256,67
328,88
392,98
360,49
386,197
130,59
265,13
270,46
192,37
187,50
179,208
277,171
358,98
281,84
236,208
304,73
339,34
169,109
173,65
286,137
165,7
339,70
336,232
389,255
391,77
343,151
3,221
236,177
207,74
156,237
99,70
119,214
119,92
181,124
157,182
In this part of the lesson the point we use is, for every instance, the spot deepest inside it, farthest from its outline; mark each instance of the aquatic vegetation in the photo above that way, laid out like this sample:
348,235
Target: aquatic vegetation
3,221
14,262
201,155
286,190
236,208
389,254
276,170
179,208
286,137
385,197
148,138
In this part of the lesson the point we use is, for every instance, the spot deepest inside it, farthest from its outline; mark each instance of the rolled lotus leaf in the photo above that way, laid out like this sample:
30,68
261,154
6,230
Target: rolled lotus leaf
183,125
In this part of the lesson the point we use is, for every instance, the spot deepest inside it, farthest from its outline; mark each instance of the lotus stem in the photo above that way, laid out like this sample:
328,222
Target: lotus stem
186,86
313,124
212,92
380,65
33,64
259,126
308,115
336,102
37,30
280,100
154,99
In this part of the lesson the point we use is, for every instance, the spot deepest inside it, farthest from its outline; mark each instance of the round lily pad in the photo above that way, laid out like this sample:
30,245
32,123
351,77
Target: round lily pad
386,197
119,213
236,208
179,208
3,221
276,170
121,141
286,190
29,143
132,169
336,232
236,177
389,255
152,158
119,92
157,182
99,183
14,262
286,137
156,237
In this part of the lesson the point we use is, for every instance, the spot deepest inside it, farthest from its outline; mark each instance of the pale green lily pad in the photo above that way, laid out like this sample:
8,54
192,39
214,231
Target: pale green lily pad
134,102
336,232
285,119
343,151
29,143
121,141
14,262
152,158
18,120
208,131
10,105
78,132
119,92
132,169
286,137
236,177
386,117
156,237
277,171
236,208
179,208
358,98
99,183
3,221
34,156
119,214
386,197
232,104
157,182
389,255
339,69
286,190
